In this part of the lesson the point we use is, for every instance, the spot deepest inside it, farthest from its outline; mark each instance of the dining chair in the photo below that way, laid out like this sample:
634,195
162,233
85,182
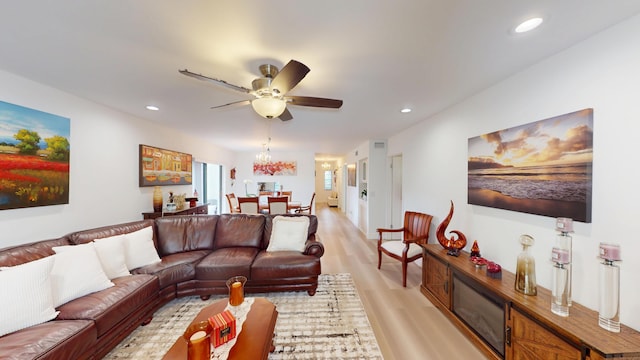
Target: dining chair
249,205
307,208
278,205
414,233
287,194
233,203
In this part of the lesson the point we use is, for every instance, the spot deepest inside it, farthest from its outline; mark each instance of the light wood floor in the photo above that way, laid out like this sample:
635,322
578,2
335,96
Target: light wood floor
406,324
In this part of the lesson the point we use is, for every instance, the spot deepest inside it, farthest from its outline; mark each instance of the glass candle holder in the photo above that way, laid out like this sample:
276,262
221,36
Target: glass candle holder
561,282
198,337
236,290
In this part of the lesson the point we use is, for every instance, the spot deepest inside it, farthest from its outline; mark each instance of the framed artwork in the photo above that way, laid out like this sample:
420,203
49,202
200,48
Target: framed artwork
543,168
164,167
276,168
34,157
351,175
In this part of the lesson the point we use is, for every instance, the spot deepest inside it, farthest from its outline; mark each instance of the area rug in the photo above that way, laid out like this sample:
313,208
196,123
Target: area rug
332,324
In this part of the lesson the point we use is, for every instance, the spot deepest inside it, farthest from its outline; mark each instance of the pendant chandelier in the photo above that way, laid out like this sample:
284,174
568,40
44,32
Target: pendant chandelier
264,156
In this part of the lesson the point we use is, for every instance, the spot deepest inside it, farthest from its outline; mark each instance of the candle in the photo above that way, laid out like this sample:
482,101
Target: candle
198,335
236,294
610,252
198,341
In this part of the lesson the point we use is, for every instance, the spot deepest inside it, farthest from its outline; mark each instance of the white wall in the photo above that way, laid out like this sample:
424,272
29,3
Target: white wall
104,164
603,73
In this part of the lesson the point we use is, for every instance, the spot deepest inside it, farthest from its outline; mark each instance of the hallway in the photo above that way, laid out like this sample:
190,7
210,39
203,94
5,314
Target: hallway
406,324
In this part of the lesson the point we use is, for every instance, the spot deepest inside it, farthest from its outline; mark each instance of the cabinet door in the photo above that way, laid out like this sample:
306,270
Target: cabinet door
435,277
530,341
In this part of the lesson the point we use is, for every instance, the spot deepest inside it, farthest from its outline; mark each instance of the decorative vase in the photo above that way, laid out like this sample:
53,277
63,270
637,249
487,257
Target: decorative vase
526,268
453,244
157,199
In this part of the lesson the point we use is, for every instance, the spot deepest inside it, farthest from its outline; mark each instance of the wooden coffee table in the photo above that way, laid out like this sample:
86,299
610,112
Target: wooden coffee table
254,342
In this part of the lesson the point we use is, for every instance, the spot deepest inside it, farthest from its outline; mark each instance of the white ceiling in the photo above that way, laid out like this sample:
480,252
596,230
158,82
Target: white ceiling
377,55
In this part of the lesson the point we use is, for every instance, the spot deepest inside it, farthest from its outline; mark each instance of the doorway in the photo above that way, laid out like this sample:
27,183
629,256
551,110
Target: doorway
396,213
208,183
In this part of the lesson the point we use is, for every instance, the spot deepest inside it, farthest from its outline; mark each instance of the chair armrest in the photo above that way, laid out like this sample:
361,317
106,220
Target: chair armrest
313,247
381,230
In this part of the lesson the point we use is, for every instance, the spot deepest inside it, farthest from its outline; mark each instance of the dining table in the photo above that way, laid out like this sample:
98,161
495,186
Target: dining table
264,204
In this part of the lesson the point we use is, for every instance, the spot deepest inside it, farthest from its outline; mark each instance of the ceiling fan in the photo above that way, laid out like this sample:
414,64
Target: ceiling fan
270,90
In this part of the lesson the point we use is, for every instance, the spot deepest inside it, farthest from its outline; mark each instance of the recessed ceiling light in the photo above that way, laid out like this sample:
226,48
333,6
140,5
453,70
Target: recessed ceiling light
153,108
405,110
529,25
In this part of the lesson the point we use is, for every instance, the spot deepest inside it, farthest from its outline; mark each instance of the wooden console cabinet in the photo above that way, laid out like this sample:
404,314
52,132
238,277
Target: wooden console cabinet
196,210
531,330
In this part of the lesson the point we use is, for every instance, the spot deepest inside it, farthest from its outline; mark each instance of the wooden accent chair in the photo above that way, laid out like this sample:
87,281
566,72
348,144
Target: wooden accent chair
249,205
233,203
308,208
415,232
278,204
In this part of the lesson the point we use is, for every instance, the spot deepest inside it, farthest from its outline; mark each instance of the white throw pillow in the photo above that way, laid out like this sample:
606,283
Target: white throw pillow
288,233
76,272
139,248
111,254
26,298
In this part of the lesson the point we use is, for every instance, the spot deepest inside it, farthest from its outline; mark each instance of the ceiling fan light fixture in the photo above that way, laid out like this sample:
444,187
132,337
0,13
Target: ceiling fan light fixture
269,107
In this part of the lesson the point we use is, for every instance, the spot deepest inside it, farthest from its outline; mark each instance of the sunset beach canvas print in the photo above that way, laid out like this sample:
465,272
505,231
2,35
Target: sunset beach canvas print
541,168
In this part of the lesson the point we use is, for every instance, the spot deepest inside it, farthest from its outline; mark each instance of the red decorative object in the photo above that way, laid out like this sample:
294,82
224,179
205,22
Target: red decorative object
494,270
475,249
224,328
452,244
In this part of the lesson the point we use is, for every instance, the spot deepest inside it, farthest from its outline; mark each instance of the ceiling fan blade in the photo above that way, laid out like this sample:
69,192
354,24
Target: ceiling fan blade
216,81
234,104
289,77
314,101
286,115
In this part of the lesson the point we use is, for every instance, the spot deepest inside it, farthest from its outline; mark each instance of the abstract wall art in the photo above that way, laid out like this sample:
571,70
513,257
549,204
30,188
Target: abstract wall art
275,168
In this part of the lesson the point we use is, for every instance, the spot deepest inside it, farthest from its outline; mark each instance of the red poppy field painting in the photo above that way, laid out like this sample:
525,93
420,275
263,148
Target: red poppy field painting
541,168
34,158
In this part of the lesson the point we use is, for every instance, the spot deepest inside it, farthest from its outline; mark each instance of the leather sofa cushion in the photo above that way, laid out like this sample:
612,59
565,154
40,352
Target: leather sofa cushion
71,339
174,269
284,264
176,234
85,236
110,306
225,263
237,230
25,253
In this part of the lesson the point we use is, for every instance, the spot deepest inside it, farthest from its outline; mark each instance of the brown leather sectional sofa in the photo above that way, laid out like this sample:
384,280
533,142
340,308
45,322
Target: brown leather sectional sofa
199,253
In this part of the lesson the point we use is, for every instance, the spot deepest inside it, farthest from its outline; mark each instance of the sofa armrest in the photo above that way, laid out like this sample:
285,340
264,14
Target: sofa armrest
313,246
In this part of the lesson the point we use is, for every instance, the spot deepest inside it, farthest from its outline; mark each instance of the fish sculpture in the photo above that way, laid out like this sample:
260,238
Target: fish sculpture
453,244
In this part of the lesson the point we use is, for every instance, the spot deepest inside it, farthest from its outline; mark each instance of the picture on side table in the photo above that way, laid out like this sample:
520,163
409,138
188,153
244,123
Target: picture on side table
164,167
542,168
34,157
